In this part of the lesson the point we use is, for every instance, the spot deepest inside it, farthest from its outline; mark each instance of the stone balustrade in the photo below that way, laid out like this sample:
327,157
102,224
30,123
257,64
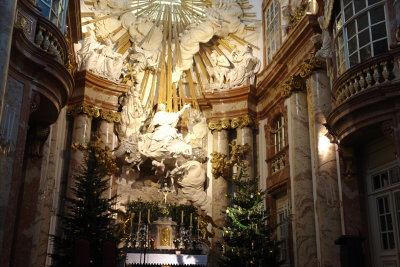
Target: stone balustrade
49,42
366,75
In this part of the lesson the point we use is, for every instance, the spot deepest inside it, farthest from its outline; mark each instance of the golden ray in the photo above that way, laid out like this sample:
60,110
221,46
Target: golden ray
87,14
242,41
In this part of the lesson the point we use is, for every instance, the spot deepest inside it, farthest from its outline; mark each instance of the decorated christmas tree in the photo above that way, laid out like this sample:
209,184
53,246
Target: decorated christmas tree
88,227
247,238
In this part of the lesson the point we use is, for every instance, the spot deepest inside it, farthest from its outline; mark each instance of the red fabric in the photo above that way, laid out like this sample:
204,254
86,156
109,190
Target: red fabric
109,257
81,253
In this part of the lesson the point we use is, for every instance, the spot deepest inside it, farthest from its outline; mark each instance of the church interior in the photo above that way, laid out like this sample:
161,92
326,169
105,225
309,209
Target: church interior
200,133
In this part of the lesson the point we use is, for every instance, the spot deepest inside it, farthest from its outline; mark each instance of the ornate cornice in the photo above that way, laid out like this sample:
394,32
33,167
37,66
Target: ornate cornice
94,112
297,82
237,122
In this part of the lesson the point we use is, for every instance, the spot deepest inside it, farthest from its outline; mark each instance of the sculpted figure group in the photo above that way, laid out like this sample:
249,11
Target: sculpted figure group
225,75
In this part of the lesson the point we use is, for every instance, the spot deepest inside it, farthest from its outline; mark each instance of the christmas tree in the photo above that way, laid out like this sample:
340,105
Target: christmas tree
89,212
247,238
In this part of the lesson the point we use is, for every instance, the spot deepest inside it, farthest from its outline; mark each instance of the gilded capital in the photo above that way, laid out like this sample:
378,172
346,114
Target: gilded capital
219,124
94,112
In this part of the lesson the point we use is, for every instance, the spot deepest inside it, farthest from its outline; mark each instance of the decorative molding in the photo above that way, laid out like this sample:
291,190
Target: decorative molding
24,23
297,15
38,135
297,82
35,101
388,129
237,122
221,167
219,124
94,112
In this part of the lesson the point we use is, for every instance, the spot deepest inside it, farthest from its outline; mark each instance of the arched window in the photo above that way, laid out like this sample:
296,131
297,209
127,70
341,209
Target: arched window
55,11
359,31
279,134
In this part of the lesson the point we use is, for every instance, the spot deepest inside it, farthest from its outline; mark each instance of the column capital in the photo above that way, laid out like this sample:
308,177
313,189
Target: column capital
297,82
94,112
233,123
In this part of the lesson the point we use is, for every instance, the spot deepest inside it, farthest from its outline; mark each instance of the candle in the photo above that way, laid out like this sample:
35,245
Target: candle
131,223
148,216
191,214
198,222
182,217
140,217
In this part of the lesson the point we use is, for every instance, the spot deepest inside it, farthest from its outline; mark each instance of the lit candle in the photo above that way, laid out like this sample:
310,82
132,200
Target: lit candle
182,217
148,216
191,214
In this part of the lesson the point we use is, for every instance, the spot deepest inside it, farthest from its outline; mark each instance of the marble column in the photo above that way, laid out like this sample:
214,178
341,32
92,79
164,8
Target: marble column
7,16
245,136
81,133
106,133
301,185
324,168
220,187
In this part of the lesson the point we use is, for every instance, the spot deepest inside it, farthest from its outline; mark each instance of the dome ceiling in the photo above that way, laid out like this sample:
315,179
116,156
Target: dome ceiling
167,51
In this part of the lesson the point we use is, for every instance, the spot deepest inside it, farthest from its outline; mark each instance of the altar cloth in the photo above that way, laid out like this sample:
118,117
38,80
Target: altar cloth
166,259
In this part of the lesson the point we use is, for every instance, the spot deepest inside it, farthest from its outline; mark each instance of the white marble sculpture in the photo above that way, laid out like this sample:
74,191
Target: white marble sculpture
191,177
222,18
246,67
163,138
87,54
219,71
326,40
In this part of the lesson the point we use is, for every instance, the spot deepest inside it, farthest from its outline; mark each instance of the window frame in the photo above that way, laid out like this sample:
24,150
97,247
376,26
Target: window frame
343,62
59,16
277,33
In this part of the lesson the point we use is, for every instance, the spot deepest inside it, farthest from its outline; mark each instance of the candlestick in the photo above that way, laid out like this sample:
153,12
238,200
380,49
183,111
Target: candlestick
182,217
191,214
148,216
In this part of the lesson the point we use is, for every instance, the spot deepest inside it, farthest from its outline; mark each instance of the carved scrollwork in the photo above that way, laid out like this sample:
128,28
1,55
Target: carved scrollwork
38,135
297,15
241,122
23,23
297,82
219,124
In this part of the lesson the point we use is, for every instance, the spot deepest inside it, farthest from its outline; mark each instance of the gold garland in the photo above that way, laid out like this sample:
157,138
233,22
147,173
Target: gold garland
94,112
